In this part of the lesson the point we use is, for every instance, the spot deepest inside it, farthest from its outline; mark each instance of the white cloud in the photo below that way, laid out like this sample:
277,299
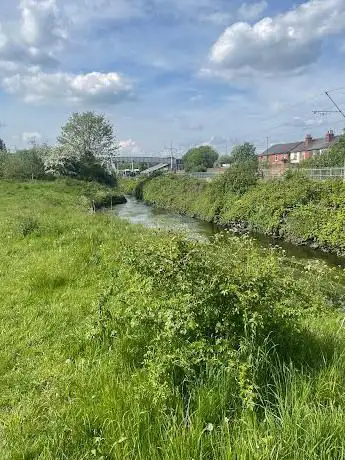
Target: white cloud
130,147
93,87
283,44
34,39
29,138
41,23
251,11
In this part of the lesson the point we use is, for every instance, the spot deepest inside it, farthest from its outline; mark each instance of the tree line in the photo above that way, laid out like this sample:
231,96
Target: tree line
199,159
85,147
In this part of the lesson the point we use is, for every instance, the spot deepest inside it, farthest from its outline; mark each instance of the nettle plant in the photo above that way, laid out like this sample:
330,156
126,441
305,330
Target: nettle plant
198,307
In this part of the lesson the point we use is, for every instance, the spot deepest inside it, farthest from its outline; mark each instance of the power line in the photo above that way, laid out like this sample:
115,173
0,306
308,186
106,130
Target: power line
336,105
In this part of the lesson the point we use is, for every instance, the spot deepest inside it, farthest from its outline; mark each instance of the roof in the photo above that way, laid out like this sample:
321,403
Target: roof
317,144
299,146
155,168
282,148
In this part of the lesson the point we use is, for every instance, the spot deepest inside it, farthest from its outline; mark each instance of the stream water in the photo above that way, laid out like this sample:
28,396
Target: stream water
137,212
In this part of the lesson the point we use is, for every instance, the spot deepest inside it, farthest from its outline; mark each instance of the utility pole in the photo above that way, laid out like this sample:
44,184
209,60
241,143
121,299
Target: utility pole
171,155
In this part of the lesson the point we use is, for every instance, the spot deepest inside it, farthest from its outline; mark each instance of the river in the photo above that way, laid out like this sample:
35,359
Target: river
137,212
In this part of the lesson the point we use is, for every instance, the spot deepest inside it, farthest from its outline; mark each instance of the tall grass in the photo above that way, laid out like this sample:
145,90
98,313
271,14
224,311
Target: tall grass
72,385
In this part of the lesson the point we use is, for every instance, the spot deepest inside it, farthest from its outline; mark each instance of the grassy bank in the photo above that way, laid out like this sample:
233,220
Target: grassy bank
295,208
119,342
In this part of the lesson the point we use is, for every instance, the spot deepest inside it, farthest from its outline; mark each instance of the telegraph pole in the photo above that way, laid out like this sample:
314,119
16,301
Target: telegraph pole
171,149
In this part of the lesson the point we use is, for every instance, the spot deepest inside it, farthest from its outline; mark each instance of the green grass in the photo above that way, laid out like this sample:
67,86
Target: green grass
76,290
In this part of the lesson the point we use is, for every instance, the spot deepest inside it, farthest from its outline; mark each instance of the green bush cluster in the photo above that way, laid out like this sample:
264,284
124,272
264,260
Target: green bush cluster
24,164
294,207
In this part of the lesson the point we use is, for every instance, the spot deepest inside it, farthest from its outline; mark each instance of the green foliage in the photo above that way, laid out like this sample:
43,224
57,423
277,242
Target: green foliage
88,168
224,159
199,159
238,178
86,141
208,311
244,153
295,207
87,134
27,225
24,164
334,157
2,145
124,343
184,195
128,185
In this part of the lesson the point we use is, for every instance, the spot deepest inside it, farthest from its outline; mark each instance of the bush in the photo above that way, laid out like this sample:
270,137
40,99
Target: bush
24,164
87,168
206,310
295,207
239,178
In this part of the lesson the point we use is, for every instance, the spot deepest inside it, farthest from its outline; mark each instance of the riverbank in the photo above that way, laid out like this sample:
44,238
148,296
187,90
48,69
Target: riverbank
295,209
121,342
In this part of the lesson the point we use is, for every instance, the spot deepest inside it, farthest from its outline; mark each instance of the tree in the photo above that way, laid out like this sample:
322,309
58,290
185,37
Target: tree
244,153
24,164
224,160
200,158
88,134
87,143
2,145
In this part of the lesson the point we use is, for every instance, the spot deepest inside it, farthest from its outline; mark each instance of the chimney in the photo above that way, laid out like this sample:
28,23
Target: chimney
308,140
330,136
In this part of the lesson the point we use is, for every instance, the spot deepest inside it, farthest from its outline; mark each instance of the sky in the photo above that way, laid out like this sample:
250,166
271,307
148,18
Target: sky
172,72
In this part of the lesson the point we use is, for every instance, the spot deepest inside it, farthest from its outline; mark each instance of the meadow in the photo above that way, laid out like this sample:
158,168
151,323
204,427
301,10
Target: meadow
120,342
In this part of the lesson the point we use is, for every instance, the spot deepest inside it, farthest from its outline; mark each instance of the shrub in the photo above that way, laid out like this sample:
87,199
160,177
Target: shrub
239,178
207,310
24,164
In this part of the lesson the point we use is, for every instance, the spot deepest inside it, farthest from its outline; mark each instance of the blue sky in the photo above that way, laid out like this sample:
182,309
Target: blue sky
182,71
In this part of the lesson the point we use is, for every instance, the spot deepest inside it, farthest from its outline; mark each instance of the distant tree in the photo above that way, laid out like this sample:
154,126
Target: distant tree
2,145
335,156
224,160
3,157
88,134
200,158
244,153
243,172
23,164
87,142
237,179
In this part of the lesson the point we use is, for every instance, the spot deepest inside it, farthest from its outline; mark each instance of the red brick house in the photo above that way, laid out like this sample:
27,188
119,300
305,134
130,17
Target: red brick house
280,156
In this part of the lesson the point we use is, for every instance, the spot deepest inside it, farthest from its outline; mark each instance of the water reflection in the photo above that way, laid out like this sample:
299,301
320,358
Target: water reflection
137,212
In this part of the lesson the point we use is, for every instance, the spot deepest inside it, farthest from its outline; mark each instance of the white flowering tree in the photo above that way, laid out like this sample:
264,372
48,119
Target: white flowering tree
86,150
88,134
